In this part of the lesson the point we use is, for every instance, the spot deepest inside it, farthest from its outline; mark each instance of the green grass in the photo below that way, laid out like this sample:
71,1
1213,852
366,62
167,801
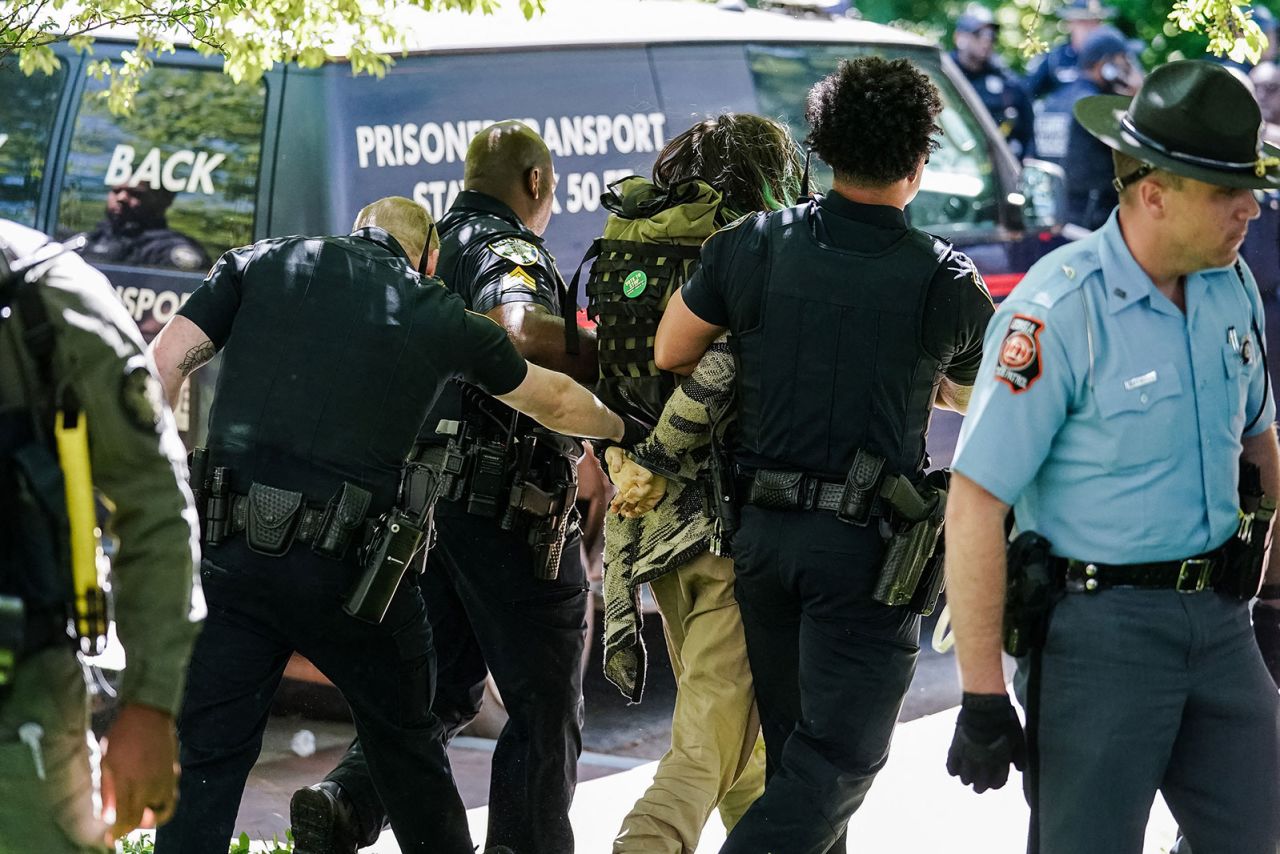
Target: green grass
242,845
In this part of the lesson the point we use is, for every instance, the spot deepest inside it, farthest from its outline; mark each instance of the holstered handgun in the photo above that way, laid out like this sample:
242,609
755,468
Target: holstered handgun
1030,594
1246,550
551,510
916,521
722,500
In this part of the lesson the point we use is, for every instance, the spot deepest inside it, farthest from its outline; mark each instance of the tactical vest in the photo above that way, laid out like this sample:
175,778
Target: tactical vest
650,247
836,362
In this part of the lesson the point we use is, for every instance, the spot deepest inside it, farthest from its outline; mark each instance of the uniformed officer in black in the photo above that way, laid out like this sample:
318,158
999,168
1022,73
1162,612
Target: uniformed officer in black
1001,91
136,232
489,610
849,327
334,349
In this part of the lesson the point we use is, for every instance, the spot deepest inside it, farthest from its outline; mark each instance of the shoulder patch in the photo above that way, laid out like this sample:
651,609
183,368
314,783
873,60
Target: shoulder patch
1020,363
960,265
515,250
519,278
185,257
141,398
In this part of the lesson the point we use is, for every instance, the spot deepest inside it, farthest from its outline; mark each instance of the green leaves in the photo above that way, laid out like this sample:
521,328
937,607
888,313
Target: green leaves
1229,26
252,36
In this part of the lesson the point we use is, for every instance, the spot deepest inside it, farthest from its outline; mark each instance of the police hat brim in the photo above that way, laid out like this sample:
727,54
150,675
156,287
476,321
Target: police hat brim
1100,115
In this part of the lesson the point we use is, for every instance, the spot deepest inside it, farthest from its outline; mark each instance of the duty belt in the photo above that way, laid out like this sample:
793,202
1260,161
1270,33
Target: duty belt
308,527
806,493
1202,572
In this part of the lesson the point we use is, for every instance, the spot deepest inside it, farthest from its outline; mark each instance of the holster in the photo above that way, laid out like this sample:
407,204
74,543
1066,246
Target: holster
272,518
916,521
1246,551
344,515
722,505
1030,595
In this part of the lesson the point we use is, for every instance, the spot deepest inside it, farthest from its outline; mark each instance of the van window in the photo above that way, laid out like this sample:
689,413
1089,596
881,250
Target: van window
173,183
959,192
27,111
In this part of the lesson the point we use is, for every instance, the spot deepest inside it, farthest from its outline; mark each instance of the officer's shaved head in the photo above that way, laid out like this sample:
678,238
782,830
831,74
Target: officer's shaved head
406,220
510,162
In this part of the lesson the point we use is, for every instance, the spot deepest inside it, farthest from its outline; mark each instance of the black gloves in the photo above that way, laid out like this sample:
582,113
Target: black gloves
1266,628
988,737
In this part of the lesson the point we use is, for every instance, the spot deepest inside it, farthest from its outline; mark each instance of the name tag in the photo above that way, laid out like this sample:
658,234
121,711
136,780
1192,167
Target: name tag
1138,382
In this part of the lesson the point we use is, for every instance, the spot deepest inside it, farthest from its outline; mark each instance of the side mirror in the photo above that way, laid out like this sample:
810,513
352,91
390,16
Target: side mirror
1041,186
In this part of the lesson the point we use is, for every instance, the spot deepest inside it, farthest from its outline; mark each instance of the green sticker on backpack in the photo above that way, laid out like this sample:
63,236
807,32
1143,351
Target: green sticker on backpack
634,284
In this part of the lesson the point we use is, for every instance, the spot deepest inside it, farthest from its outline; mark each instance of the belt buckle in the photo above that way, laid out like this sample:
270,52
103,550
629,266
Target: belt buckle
1193,575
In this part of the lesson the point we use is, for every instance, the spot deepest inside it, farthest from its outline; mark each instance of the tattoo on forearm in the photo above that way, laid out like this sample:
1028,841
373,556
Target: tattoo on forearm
196,357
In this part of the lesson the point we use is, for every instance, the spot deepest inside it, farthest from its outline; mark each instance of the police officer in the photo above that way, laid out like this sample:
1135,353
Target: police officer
849,325
1050,71
1123,381
335,348
1106,68
1001,90
71,360
135,231
490,609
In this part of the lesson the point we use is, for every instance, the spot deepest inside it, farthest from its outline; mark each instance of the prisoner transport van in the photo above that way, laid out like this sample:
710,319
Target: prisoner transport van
605,82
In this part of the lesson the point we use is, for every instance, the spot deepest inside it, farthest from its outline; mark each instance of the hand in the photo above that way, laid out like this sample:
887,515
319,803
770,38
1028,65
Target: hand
1266,628
988,737
140,769
639,490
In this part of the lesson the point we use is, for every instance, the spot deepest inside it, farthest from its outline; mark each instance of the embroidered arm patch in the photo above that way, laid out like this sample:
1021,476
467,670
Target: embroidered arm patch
1019,365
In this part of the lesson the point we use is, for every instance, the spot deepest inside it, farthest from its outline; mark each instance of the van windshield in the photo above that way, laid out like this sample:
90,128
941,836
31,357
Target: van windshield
958,195
27,112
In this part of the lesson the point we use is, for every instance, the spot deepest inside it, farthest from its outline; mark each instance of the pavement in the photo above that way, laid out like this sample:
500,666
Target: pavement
913,808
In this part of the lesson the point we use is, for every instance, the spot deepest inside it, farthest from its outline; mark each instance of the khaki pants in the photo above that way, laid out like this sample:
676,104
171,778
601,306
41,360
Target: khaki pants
59,814
716,756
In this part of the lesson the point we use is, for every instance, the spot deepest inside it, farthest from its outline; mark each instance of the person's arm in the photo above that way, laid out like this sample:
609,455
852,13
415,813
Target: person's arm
558,403
137,462
539,336
683,337
179,350
499,280
1261,450
194,335
976,578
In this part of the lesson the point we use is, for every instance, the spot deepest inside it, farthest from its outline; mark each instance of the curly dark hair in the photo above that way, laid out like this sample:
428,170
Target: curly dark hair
873,119
751,160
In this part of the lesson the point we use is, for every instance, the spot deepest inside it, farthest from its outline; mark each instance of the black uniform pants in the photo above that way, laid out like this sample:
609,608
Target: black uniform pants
261,609
489,614
830,665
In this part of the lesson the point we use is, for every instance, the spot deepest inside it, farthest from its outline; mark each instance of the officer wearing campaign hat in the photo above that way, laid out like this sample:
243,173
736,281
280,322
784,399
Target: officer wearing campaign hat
1001,90
1121,405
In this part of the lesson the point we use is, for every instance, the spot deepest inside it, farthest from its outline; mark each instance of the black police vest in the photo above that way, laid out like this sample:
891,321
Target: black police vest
301,400
836,363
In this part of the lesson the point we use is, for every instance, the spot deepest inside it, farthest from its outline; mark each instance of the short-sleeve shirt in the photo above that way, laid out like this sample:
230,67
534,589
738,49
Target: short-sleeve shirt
1111,420
335,349
728,289
489,257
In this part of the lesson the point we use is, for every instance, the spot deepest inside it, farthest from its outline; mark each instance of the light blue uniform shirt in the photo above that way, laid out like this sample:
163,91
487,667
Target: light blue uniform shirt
1108,418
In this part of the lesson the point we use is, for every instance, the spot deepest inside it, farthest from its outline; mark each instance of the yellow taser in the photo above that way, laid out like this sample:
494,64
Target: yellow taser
72,436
